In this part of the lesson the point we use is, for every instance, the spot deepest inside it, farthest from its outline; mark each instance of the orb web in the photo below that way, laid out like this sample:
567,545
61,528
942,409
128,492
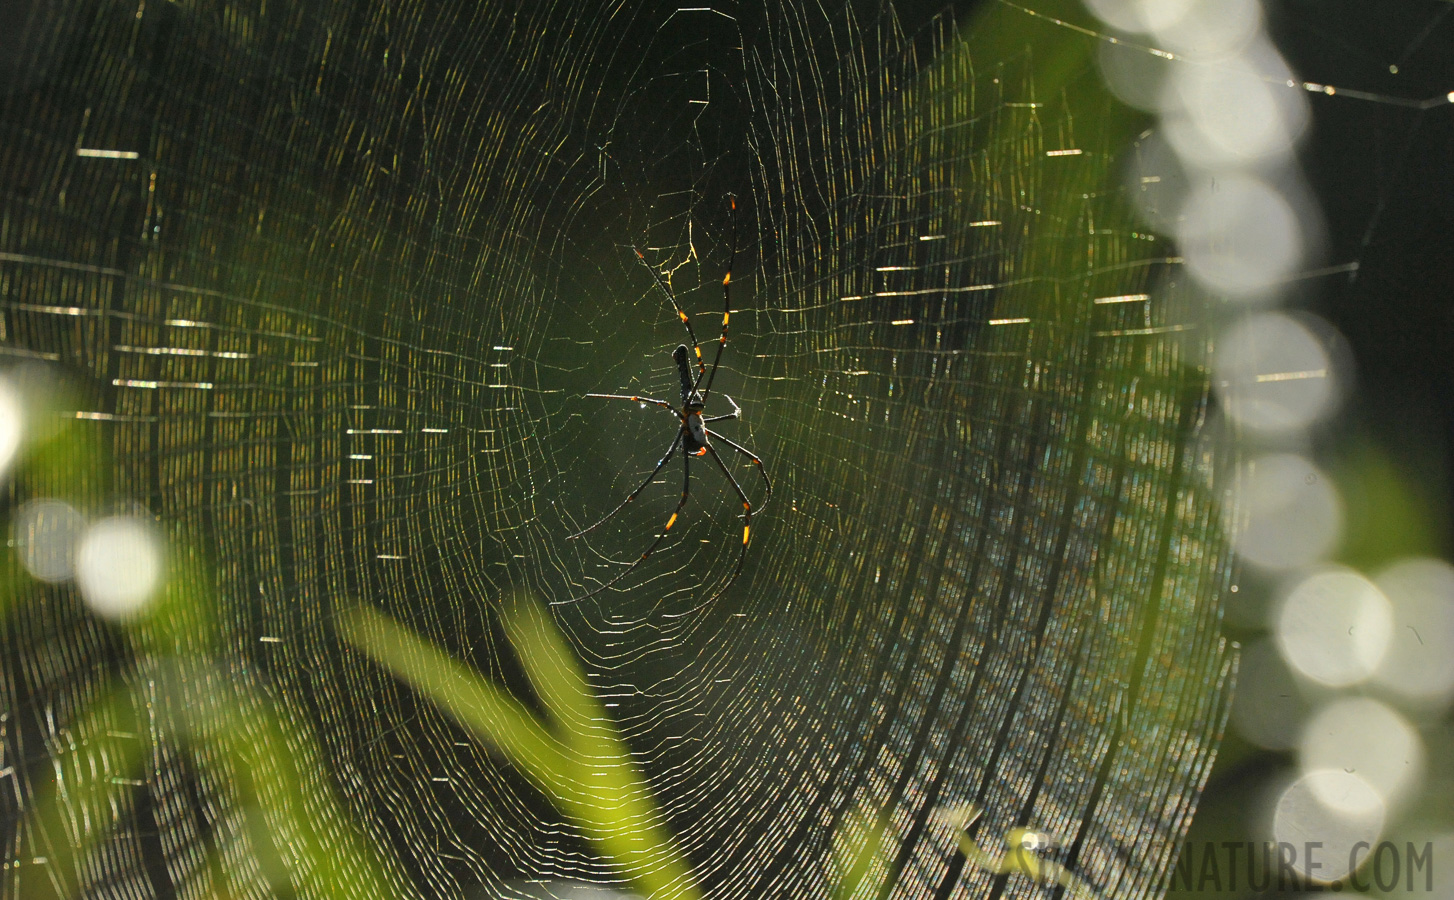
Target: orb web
331,285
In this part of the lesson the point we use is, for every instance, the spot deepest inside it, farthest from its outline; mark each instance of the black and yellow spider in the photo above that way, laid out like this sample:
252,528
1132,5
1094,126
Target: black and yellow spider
693,437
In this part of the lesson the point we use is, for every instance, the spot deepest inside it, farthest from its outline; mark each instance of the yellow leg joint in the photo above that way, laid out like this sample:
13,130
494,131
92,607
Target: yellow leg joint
744,534
670,522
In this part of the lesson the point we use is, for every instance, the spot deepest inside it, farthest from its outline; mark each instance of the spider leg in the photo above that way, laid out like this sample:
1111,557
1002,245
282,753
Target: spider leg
686,491
726,305
681,314
634,399
632,496
746,517
756,460
736,413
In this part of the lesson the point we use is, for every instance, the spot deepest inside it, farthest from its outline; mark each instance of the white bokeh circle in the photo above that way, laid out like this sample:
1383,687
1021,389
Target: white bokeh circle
1363,737
1234,110
1273,374
12,423
1420,664
1210,28
1333,626
1268,707
119,566
1291,514
1239,235
45,533
1140,15
1305,817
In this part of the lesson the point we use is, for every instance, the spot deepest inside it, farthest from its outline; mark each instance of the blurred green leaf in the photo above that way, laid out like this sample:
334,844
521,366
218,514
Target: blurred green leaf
862,849
1388,512
1022,854
575,757
311,834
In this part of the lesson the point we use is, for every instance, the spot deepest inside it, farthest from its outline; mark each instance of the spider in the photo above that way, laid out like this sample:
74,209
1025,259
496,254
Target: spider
693,437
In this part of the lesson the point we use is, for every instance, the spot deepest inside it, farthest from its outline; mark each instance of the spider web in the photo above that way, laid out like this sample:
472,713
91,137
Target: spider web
335,320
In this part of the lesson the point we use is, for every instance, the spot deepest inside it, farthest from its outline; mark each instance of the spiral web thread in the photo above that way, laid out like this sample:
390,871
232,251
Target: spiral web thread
334,321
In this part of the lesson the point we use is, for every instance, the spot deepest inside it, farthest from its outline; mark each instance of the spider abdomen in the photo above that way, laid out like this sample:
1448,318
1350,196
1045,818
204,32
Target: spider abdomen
694,438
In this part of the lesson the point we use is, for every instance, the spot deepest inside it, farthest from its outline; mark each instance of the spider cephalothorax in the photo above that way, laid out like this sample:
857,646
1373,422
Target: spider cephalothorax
693,437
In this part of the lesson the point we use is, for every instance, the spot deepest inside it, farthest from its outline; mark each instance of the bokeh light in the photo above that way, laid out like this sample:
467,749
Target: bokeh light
1292,512
1333,808
1420,664
1230,113
1140,15
1273,374
1363,737
1134,75
45,533
1269,707
119,566
1239,235
1218,174
12,423
1207,29
1158,183
1333,627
